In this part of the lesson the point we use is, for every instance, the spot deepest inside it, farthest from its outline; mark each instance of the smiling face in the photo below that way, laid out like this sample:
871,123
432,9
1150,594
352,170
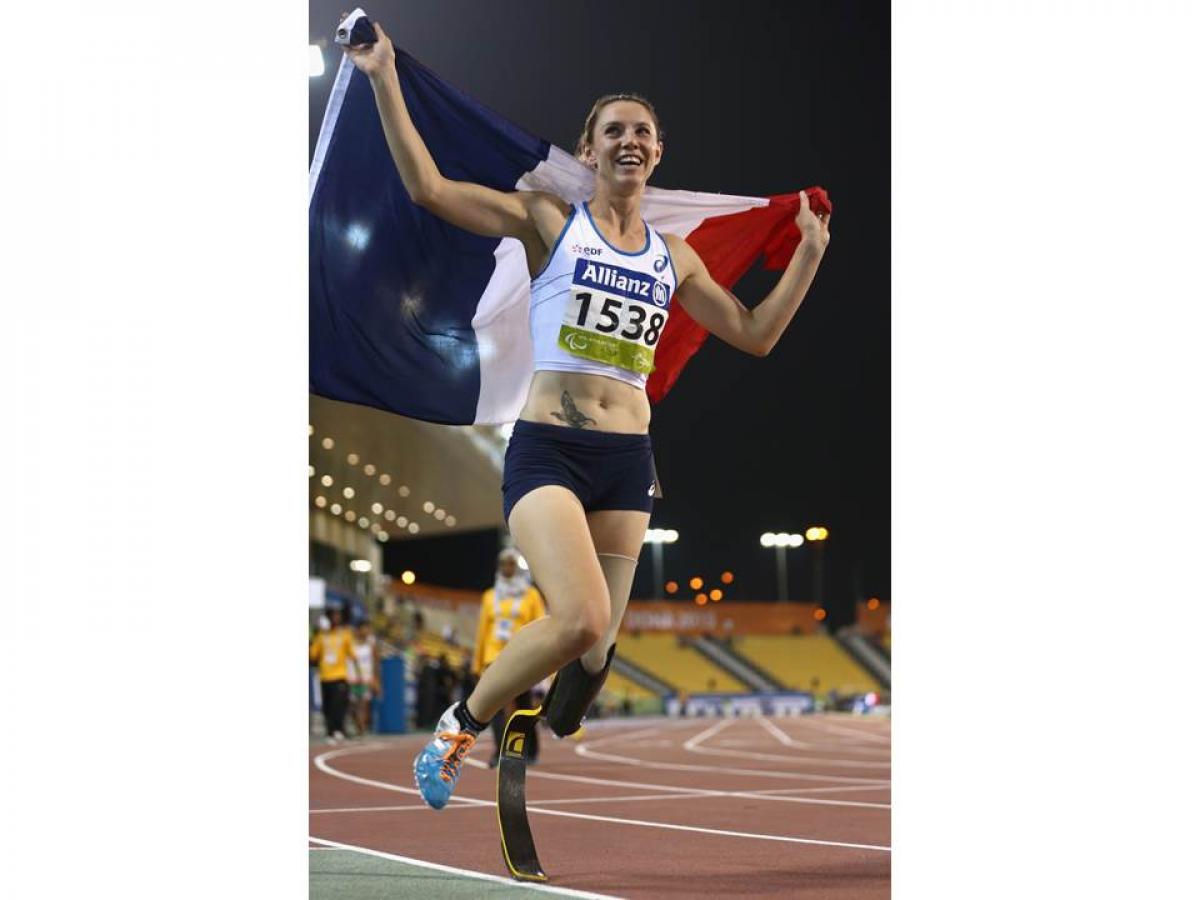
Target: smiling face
623,144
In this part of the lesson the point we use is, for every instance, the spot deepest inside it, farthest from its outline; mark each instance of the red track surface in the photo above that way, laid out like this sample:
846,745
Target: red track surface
819,782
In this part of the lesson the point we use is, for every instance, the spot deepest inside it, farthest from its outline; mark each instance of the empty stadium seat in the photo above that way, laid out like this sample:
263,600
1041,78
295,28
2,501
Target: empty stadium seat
679,666
795,660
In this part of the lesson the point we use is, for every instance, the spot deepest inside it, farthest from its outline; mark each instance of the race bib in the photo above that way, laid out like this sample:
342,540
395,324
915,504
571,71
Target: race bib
615,316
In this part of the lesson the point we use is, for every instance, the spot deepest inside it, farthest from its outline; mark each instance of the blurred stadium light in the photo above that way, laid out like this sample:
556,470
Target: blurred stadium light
656,537
781,541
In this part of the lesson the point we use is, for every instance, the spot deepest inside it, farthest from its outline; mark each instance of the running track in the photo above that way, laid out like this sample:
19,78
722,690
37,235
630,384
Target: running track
642,808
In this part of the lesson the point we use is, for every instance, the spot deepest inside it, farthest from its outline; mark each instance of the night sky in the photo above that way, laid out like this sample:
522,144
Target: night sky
755,98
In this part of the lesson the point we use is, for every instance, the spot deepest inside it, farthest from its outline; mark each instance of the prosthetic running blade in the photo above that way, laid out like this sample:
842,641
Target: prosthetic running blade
516,840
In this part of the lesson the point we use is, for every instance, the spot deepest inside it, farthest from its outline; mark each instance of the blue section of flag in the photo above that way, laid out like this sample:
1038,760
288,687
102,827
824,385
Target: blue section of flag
393,288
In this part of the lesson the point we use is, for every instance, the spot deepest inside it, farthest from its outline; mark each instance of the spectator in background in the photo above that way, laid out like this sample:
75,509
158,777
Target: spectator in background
333,652
507,606
364,683
426,677
446,682
466,679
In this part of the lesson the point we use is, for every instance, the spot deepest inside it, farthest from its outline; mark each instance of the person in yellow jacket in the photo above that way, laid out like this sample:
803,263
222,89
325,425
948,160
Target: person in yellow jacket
332,651
509,605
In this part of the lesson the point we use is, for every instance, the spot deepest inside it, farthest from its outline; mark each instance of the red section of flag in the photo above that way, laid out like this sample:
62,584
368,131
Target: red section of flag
729,245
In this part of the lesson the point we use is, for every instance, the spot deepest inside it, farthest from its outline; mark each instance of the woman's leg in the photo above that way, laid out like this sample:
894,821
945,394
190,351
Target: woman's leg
617,535
551,529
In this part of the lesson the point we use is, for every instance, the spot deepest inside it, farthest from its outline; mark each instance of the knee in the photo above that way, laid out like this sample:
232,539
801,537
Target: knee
583,633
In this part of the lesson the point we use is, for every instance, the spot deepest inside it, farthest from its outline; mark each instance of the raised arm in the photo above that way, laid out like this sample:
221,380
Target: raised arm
755,330
472,207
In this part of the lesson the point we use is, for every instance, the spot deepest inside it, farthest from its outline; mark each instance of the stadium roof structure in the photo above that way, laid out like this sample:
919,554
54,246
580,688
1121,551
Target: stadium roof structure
393,472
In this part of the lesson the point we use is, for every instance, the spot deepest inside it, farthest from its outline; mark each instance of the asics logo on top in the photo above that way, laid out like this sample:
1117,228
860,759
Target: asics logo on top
585,251
650,493
660,263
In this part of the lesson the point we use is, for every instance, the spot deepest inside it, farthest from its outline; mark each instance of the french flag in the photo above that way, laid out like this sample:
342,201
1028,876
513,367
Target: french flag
412,315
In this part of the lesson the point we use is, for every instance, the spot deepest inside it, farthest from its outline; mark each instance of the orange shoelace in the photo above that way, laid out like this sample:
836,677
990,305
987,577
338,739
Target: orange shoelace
459,745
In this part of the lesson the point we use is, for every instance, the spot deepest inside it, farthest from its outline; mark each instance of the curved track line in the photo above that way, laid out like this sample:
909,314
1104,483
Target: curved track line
324,766
841,747
859,733
585,750
693,746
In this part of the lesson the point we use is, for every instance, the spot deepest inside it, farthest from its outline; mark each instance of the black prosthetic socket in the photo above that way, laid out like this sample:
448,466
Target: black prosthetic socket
572,694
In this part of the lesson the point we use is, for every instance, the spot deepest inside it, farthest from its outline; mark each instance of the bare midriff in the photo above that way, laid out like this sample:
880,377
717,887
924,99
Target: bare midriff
599,403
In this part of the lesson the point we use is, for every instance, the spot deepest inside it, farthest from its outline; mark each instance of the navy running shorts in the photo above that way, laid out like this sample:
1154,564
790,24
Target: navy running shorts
604,469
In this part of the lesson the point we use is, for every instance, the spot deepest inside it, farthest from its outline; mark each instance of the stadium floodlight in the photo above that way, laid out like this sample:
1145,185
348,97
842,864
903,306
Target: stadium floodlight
781,541
316,62
817,533
656,537
360,565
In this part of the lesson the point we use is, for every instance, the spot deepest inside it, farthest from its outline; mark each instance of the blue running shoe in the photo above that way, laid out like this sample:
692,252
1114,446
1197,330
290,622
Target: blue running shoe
438,765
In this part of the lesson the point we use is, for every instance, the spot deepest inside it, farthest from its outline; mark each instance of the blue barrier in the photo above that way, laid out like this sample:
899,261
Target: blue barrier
392,704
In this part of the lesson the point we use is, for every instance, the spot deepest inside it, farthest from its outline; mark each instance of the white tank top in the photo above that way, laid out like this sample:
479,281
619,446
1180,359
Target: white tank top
599,310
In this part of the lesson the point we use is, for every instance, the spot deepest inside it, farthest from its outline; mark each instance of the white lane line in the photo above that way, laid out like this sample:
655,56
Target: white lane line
863,742
363,809
629,798
778,733
720,831
566,801
841,747
695,739
323,765
587,779
683,791
874,786
747,795
693,746
859,733
654,729
583,750
466,873
321,762
775,757
784,738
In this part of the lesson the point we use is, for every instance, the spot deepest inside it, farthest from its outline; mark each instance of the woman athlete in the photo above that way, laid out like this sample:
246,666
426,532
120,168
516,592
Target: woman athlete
578,475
